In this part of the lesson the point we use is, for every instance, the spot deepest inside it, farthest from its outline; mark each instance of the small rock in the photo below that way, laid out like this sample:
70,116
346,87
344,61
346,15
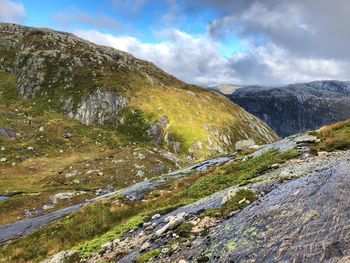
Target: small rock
3,148
41,129
67,135
145,246
275,166
140,173
242,201
3,159
285,176
173,221
156,216
244,144
107,246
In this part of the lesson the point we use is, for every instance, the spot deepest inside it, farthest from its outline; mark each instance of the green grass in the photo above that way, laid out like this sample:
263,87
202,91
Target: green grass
96,222
335,137
237,203
184,229
237,174
147,256
92,246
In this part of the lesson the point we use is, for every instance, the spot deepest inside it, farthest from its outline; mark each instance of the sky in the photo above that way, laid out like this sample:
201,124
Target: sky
209,42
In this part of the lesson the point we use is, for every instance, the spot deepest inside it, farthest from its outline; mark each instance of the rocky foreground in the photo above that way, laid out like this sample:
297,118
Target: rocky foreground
301,215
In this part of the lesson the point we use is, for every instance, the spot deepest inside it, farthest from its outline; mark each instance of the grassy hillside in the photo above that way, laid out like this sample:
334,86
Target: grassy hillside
89,118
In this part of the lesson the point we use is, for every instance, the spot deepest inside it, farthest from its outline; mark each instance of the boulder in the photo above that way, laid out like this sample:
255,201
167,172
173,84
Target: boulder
244,144
173,221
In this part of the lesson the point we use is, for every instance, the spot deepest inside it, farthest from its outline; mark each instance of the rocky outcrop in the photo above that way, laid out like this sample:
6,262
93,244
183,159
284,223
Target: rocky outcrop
100,107
298,107
301,221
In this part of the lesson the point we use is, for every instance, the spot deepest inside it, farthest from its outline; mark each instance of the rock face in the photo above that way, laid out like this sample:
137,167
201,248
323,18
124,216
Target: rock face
298,107
301,221
100,107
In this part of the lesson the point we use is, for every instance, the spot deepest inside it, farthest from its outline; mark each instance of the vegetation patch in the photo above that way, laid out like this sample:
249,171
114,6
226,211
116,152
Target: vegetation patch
335,137
134,126
96,220
238,201
87,248
147,256
184,229
237,173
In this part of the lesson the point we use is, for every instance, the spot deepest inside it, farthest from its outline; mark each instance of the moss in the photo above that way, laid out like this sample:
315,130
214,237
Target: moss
134,126
203,259
231,246
238,173
184,229
239,200
211,213
147,256
86,249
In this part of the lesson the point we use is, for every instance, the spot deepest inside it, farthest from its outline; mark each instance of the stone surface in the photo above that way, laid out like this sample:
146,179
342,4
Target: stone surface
7,133
244,144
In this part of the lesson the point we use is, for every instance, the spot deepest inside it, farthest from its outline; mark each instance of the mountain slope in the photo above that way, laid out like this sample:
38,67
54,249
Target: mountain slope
298,107
102,86
268,205
79,120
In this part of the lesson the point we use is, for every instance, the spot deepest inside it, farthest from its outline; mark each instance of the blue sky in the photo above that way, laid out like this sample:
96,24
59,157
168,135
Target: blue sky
208,42
141,22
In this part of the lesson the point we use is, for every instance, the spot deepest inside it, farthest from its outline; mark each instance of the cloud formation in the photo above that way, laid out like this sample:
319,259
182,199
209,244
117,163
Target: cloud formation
190,58
11,11
287,41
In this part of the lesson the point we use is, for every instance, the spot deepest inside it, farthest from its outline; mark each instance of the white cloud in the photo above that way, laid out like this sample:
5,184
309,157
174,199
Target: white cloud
11,11
194,59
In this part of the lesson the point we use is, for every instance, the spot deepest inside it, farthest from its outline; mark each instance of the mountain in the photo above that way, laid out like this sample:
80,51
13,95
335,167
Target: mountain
99,86
297,107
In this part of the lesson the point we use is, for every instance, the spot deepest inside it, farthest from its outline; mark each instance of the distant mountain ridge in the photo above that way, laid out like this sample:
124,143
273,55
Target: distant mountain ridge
297,107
